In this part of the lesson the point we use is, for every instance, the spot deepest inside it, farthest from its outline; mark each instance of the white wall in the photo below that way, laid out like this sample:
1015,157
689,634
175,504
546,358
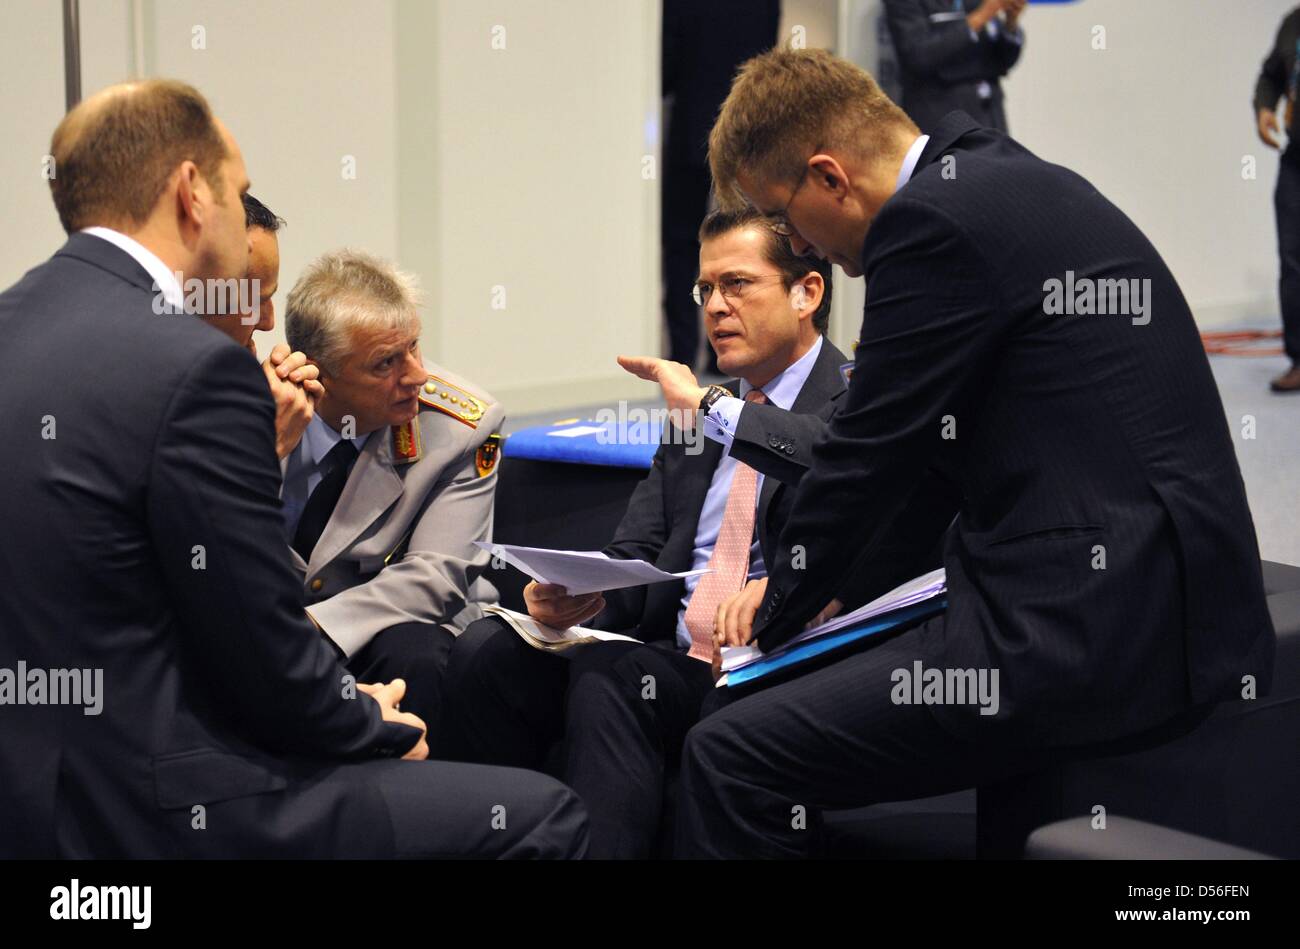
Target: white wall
527,199
31,72
522,168
476,168
1159,121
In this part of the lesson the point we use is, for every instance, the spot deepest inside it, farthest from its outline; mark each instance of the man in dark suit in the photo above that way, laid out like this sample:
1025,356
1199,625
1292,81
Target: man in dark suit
952,55
703,43
1278,79
620,710
1102,565
143,549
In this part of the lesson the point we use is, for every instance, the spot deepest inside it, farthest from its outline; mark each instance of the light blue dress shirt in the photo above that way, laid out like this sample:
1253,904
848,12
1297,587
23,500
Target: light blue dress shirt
303,471
720,425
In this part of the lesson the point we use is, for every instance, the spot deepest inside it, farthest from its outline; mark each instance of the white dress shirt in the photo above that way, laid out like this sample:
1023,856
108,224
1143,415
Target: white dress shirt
164,280
909,162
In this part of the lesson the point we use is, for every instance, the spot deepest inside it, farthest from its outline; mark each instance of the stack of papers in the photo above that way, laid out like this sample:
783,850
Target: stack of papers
548,638
911,600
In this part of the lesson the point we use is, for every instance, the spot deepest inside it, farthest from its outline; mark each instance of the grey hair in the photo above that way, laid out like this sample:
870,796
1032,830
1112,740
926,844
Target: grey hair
342,291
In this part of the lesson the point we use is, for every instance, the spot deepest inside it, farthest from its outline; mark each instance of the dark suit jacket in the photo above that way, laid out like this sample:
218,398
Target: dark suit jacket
1076,438
703,45
664,511
941,66
144,539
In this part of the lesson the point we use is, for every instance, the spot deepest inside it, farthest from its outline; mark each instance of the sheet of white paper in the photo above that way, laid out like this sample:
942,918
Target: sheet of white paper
581,571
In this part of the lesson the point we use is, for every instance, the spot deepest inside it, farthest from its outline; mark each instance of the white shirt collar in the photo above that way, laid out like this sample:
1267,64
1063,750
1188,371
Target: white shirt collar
909,163
785,388
163,279
319,438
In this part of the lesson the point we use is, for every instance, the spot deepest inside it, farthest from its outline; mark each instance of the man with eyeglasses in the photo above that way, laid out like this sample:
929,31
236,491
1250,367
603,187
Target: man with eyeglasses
1102,567
610,718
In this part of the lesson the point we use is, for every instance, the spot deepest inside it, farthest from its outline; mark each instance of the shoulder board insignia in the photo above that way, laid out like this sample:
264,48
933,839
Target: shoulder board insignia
406,442
454,401
485,459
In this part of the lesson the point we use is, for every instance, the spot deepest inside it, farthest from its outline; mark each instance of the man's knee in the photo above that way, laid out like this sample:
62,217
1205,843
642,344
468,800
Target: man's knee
608,673
550,822
485,643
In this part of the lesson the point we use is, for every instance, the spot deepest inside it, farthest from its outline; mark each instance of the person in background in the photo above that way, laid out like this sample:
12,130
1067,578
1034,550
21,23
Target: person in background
1278,80
953,54
703,43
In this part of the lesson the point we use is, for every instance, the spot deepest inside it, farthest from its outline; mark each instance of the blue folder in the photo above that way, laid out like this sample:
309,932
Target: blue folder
824,644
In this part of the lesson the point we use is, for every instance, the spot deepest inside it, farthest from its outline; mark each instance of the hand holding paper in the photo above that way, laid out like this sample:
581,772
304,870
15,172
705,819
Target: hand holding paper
550,605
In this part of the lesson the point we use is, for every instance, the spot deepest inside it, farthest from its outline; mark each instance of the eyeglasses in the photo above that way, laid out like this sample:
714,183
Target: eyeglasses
780,222
733,287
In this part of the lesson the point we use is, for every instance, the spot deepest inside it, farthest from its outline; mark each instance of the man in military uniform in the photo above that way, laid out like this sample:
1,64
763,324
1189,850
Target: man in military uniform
391,483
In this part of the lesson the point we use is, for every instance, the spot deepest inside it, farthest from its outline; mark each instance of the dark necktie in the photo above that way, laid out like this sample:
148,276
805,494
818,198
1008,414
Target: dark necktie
316,513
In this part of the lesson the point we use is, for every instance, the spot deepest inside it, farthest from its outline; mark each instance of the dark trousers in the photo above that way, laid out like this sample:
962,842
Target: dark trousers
442,809
417,653
609,719
757,772
1286,203
685,202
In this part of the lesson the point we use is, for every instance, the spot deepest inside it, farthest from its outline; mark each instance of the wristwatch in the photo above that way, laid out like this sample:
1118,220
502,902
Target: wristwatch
712,394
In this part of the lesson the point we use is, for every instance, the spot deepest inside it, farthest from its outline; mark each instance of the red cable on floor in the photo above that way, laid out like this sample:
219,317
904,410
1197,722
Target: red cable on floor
1241,343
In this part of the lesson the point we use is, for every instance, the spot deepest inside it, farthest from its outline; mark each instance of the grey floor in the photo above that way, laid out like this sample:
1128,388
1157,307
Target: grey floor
1270,460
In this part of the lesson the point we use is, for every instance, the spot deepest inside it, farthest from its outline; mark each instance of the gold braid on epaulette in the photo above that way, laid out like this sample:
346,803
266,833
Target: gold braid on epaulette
453,400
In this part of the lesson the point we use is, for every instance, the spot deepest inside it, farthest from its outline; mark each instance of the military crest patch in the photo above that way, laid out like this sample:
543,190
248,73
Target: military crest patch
485,459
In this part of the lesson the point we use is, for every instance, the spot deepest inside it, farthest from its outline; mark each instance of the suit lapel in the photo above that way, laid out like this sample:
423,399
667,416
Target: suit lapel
824,380
372,486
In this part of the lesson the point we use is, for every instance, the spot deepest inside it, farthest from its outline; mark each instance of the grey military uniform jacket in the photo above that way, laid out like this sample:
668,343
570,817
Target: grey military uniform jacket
399,546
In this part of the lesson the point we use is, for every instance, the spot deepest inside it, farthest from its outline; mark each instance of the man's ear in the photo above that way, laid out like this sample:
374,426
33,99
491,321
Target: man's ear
806,295
190,202
828,175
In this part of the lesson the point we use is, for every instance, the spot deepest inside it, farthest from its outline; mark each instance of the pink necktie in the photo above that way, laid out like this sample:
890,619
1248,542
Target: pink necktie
729,561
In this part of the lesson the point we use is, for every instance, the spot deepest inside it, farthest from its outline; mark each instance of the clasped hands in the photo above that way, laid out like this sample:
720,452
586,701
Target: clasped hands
295,387
389,696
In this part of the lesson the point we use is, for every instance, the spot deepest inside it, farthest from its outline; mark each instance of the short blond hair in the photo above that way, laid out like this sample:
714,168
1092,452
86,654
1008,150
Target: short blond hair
784,104
343,291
